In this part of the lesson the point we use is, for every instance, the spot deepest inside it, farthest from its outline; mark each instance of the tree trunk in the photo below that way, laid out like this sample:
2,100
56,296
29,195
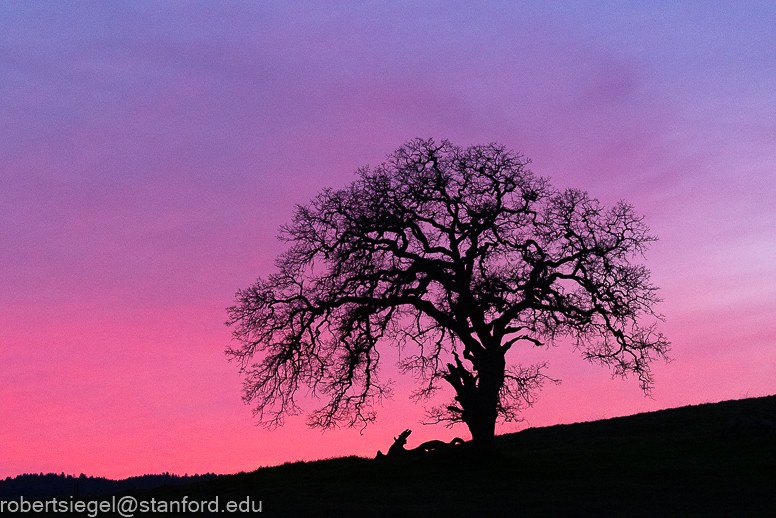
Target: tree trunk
479,397
482,425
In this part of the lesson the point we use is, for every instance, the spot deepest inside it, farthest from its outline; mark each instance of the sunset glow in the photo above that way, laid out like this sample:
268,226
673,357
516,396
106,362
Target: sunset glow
150,152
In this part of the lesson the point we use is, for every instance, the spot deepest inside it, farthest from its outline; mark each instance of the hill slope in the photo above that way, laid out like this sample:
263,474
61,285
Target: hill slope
708,460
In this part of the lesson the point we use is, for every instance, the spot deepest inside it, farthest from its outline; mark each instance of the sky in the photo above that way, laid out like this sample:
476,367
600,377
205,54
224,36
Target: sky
149,151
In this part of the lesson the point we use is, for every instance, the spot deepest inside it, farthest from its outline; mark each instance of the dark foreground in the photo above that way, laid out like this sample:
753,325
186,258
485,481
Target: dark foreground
707,460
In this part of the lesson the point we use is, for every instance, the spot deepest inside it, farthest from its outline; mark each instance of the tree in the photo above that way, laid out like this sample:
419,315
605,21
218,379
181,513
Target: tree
457,257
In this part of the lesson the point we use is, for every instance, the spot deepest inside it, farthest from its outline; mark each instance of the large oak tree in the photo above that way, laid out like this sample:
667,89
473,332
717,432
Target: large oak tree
460,258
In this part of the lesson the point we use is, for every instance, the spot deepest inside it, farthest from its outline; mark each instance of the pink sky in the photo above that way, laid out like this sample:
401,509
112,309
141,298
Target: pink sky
150,151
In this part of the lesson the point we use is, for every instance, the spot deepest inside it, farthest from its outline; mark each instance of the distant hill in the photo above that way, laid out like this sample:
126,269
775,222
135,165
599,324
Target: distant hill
709,460
53,485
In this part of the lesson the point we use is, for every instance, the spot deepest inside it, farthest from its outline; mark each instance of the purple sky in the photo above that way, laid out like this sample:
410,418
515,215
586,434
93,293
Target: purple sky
150,151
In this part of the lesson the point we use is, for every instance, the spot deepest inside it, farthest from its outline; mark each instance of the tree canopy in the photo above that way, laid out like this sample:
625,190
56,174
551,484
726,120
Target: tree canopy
458,257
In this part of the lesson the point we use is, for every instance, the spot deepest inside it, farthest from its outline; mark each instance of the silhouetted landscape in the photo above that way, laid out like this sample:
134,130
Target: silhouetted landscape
460,213
716,459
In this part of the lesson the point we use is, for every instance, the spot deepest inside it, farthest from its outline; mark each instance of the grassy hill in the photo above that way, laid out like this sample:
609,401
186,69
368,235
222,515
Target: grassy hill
707,460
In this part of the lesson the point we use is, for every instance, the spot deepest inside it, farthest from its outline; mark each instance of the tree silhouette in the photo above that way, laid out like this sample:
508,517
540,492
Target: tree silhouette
457,257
